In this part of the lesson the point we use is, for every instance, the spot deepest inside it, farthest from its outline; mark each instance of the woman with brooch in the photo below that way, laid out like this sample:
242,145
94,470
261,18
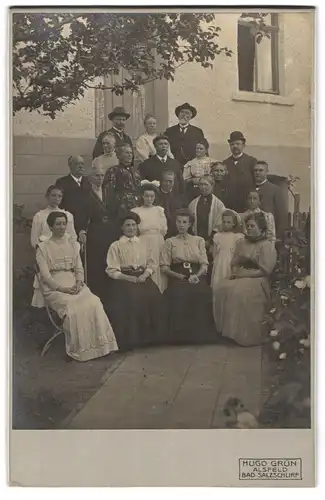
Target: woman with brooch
184,260
137,307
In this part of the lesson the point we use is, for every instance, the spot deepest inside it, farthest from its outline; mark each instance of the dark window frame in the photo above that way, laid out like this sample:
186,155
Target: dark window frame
273,29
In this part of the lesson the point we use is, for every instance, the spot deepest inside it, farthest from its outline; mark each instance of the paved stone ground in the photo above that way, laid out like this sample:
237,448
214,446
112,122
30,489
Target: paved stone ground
172,388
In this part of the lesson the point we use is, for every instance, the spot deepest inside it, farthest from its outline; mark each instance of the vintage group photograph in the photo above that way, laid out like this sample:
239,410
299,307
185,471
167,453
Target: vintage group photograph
162,201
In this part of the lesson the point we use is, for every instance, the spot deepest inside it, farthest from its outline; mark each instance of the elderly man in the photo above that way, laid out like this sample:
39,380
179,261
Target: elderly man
123,180
240,172
184,136
152,168
271,196
170,201
118,118
75,187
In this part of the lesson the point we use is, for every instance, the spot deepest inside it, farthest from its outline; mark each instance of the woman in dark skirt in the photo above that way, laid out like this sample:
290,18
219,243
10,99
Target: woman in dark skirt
189,298
136,306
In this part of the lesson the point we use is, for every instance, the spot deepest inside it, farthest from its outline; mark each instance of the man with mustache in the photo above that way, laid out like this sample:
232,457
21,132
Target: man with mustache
118,118
240,172
184,136
75,187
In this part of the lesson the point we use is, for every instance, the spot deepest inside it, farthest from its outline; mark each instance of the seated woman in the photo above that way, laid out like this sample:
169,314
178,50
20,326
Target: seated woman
197,168
137,306
41,231
189,298
240,302
152,229
108,159
88,333
253,207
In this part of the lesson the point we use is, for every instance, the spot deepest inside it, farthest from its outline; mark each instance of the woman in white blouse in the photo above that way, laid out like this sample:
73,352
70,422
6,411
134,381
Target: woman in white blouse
152,229
42,232
137,307
108,158
144,145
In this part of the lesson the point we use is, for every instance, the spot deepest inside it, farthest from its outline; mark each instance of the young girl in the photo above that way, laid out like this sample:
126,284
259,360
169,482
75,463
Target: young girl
253,207
152,228
224,244
41,232
197,168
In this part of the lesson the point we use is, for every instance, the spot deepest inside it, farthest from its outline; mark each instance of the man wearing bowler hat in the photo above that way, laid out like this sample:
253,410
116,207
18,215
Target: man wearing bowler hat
184,136
118,118
240,172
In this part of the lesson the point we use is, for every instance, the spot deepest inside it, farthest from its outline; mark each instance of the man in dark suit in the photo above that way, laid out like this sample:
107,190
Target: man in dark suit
271,197
118,118
152,168
240,172
183,136
171,202
75,187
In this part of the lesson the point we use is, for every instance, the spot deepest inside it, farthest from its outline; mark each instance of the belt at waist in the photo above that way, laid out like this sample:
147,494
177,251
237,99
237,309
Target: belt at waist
185,268
53,271
131,271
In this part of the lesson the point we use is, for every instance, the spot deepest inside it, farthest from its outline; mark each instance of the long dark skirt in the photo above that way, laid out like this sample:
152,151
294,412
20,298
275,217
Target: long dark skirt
137,313
190,313
99,238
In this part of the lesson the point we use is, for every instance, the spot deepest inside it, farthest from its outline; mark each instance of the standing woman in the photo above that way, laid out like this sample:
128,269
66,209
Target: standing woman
144,145
189,298
88,332
41,230
152,229
240,302
108,158
197,168
207,211
137,306
99,233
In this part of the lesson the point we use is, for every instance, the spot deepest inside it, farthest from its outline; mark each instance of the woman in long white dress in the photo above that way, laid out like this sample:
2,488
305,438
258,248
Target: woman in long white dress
108,159
152,229
41,231
144,145
88,332
224,245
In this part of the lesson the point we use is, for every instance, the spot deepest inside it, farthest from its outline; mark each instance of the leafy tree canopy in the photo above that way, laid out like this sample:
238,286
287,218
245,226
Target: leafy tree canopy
57,57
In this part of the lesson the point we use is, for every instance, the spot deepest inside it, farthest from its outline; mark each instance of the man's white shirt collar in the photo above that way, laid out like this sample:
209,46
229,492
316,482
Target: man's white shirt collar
259,185
78,181
163,159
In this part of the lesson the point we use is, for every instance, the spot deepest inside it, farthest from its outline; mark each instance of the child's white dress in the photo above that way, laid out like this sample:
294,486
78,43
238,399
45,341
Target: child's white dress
224,245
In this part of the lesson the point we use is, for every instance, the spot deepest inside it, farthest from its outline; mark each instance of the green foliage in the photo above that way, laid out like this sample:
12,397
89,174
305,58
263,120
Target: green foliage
288,343
57,57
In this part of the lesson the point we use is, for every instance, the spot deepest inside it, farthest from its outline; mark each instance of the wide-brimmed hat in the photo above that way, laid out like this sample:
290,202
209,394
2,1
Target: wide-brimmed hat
186,105
118,111
236,136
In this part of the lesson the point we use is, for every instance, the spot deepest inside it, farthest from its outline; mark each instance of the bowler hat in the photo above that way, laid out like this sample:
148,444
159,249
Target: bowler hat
186,105
118,111
236,136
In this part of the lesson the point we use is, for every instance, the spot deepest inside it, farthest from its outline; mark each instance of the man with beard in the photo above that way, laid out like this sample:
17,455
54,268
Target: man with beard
240,172
118,118
184,136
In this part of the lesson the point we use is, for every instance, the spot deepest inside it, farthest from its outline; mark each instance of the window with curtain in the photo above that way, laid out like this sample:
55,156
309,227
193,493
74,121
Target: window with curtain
258,56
